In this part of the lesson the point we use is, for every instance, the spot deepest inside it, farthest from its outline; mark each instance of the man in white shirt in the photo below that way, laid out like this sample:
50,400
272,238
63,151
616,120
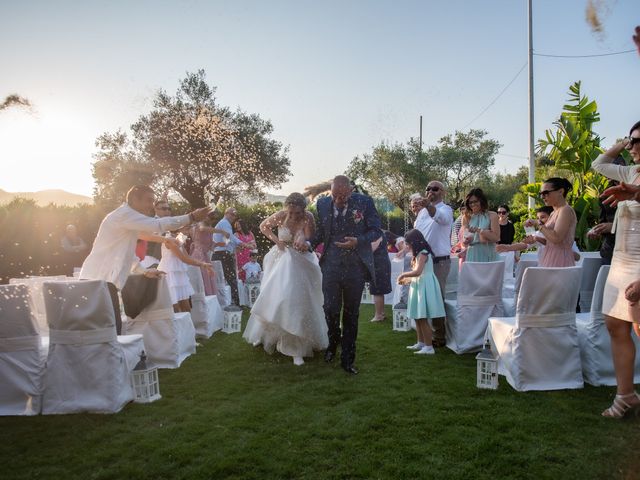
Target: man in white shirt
417,207
112,256
226,254
435,221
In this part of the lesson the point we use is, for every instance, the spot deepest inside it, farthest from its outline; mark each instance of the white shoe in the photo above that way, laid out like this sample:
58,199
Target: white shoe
298,361
426,350
416,346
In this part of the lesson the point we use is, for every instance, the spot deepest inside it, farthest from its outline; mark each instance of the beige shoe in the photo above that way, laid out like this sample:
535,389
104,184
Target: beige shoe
378,319
622,406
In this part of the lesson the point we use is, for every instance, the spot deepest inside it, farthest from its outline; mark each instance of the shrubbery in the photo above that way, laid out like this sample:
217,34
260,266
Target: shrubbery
30,235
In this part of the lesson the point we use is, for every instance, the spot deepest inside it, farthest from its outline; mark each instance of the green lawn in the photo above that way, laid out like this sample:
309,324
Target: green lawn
232,411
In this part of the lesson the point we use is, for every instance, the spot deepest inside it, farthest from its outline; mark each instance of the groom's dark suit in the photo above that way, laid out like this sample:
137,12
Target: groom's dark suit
345,271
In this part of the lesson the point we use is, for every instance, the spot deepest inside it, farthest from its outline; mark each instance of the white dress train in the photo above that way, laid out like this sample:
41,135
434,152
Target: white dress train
288,314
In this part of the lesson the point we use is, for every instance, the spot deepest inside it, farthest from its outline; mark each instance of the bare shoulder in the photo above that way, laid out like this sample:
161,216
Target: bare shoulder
567,212
274,219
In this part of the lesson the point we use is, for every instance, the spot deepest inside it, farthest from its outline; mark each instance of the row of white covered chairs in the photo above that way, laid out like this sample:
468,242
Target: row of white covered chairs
82,365
546,345
479,290
44,309
171,337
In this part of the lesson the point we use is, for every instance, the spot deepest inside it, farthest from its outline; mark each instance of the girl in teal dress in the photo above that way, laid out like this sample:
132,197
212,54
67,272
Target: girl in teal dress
480,228
425,299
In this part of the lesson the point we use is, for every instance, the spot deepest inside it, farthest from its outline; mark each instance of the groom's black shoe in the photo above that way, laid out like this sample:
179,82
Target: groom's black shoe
329,355
350,369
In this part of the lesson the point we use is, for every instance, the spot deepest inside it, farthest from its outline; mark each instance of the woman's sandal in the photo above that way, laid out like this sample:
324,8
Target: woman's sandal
621,408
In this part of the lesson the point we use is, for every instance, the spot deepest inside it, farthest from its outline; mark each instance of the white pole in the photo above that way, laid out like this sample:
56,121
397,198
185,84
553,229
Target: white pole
532,162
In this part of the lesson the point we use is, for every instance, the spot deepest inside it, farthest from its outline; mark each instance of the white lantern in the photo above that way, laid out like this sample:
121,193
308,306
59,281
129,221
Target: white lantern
400,321
144,382
253,290
366,294
487,368
232,322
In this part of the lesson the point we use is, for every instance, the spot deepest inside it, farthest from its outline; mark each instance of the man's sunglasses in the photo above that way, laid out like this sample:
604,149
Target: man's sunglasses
433,189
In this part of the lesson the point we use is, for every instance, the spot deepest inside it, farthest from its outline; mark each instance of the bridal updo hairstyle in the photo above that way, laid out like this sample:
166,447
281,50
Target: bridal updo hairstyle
296,200
560,183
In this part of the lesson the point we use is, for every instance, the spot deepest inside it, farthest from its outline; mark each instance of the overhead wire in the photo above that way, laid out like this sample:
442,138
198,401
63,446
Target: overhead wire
583,56
496,99
520,71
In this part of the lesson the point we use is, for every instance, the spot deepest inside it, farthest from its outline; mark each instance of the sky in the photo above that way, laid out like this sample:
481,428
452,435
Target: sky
334,77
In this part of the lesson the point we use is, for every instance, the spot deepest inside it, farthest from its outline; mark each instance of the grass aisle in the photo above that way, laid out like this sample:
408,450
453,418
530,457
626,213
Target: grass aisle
232,411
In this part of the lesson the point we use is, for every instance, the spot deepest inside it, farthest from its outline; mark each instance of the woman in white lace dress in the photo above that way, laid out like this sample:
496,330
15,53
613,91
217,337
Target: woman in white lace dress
288,314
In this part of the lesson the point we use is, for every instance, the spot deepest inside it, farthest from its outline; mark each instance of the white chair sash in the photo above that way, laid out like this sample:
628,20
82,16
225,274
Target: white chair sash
478,301
154,315
16,344
198,297
547,320
82,337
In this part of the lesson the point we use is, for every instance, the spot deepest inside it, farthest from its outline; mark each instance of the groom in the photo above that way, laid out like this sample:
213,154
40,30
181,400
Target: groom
347,224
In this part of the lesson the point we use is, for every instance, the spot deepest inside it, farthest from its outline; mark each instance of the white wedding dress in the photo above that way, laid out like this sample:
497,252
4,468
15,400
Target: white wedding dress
288,314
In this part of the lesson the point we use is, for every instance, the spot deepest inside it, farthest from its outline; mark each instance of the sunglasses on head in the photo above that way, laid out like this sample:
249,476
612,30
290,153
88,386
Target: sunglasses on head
433,189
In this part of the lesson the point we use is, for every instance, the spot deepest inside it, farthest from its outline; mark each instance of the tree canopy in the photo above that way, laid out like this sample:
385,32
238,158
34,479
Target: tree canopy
193,146
461,161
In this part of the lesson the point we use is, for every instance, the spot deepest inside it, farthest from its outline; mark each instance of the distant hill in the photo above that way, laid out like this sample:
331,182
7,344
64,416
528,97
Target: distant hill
267,198
45,197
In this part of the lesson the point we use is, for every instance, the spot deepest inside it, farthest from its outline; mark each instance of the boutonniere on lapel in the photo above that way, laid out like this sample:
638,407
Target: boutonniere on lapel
357,216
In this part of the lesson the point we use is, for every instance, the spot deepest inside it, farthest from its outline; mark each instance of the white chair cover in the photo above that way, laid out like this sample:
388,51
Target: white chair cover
479,297
510,304
508,286
590,269
86,367
538,349
595,342
397,268
132,344
206,314
21,363
451,285
169,337
224,296
36,297
529,257
242,294
217,268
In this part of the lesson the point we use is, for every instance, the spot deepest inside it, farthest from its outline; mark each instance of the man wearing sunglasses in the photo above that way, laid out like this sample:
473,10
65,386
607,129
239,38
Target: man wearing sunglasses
435,221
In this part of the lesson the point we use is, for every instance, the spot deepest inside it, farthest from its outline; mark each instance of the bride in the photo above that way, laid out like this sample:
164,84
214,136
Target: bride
288,314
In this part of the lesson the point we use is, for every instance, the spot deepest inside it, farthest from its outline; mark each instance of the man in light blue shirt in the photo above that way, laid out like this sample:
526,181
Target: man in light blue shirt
226,253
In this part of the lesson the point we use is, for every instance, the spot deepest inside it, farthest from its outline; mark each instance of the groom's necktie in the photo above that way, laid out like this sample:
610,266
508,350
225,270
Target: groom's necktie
340,218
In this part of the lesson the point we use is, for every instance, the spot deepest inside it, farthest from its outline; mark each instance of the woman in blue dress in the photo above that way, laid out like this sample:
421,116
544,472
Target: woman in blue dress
480,228
425,299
